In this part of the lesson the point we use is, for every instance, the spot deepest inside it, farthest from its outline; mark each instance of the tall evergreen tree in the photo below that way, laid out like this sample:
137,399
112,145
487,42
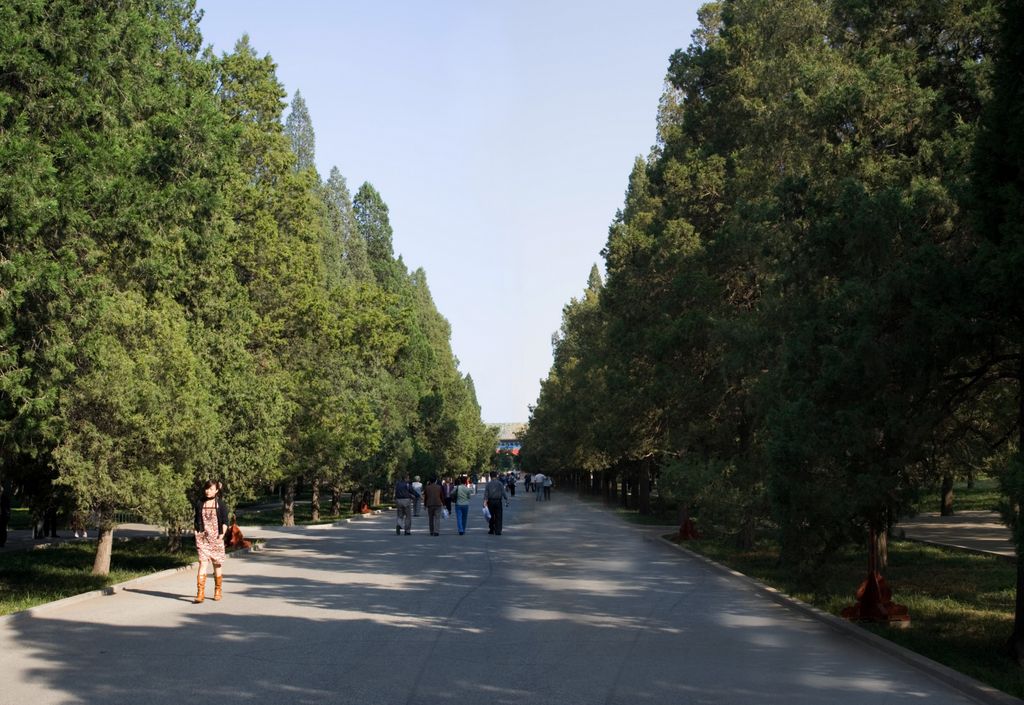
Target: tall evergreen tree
135,157
374,225
348,244
998,201
299,129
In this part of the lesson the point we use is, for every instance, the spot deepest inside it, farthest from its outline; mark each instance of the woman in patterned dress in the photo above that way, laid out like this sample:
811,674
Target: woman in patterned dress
211,524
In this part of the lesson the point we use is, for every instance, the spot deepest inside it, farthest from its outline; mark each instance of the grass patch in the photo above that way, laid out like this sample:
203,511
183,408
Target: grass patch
21,518
984,496
961,604
271,516
655,519
30,578
659,516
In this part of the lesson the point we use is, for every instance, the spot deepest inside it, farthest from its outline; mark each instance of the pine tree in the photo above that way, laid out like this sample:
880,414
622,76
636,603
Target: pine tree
374,225
998,205
351,247
299,129
126,174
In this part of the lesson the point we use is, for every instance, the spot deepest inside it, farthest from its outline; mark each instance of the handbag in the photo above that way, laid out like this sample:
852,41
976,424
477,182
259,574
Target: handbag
487,513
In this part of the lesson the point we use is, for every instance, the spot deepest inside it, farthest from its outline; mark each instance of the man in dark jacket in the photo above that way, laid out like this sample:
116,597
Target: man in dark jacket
433,500
496,495
404,494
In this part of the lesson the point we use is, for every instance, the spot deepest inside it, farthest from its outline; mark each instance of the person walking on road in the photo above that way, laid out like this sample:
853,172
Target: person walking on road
461,497
417,498
404,494
548,482
211,523
538,486
496,495
433,500
447,493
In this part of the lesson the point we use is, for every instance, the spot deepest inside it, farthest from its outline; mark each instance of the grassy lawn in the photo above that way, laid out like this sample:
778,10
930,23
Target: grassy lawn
20,519
271,516
983,496
30,578
655,519
961,604
660,516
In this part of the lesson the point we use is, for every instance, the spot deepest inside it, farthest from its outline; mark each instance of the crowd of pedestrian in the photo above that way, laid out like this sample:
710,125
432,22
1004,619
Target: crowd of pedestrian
540,484
442,497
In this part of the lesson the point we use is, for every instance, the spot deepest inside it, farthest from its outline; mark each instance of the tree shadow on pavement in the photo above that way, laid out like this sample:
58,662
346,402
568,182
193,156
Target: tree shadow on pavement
569,607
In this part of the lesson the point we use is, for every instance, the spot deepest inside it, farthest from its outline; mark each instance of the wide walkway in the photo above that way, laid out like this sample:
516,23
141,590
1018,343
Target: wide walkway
979,531
570,605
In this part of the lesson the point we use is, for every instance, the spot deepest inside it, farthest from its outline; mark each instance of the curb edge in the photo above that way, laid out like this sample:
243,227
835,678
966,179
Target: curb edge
964,684
109,590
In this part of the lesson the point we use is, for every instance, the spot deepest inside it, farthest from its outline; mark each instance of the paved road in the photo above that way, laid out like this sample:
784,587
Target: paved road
973,530
569,605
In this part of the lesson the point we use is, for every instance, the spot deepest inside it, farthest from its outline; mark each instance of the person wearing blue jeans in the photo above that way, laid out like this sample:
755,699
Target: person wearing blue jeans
460,497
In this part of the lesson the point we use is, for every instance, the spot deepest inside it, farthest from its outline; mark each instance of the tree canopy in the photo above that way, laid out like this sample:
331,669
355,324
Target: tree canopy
181,296
806,316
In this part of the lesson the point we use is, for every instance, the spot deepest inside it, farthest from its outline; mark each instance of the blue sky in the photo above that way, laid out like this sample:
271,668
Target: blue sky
500,134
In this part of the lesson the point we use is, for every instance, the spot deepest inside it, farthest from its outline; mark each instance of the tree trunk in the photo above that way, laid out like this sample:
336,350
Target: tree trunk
376,498
288,504
745,536
104,548
946,496
1016,644
883,550
335,500
624,494
644,487
174,539
315,504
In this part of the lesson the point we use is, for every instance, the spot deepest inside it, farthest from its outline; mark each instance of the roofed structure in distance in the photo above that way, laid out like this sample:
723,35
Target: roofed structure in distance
508,441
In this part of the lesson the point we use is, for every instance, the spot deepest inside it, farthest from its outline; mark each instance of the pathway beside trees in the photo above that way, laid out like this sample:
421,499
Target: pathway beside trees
569,605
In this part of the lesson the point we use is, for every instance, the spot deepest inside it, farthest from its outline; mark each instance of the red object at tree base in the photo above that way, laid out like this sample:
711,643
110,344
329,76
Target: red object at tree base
874,604
688,531
874,596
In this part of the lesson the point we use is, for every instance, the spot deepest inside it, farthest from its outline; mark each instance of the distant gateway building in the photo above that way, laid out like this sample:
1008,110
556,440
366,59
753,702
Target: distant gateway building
507,440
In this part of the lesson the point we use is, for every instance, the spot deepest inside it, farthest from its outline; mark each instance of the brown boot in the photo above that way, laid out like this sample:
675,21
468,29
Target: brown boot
218,580
200,589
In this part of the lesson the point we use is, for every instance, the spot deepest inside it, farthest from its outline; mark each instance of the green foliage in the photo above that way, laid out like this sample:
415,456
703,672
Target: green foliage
800,326
998,201
373,223
345,248
31,578
299,129
181,298
139,423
